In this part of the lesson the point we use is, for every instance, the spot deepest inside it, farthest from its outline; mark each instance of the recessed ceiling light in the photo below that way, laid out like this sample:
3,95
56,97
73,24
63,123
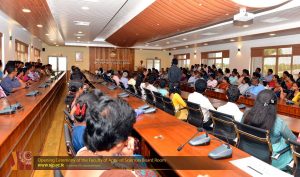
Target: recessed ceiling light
85,8
47,34
78,37
167,42
184,39
26,10
39,25
157,24
174,48
199,4
272,34
57,45
81,23
80,32
226,14
232,40
245,26
205,44
186,46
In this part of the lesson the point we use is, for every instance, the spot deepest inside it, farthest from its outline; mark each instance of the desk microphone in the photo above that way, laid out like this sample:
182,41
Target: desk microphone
181,146
9,109
201,140
222,152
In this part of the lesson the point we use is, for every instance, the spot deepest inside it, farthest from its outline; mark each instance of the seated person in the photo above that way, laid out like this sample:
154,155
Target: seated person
293,94
264,115
269,76
32,74
11,83
178,103
132,80
255,87
77,75
230,107
243,87
289,81
233,79
115,77
2,93
148,84
298,80
273,81
194,77
109,123
198,98
162,88
224,84
212,82
220,75
244,74
124,79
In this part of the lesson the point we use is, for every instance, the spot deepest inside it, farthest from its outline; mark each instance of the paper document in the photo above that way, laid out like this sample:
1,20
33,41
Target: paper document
256,167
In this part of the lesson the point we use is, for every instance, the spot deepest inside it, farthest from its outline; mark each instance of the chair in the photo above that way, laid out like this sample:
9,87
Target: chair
159,103
256,142
68,119
223,126
295,146
149,96
122,85
169,107
138,92
68,140
195,116
57,173
131,89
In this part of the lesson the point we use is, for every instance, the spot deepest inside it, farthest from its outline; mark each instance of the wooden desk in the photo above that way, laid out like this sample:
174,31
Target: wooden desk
174,133
26,129
292,122
283,108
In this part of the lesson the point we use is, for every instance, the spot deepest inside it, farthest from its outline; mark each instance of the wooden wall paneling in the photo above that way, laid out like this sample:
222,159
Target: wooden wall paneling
102,57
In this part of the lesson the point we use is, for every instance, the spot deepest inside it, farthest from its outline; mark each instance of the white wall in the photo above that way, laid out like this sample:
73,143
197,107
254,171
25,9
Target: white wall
9,27
240,60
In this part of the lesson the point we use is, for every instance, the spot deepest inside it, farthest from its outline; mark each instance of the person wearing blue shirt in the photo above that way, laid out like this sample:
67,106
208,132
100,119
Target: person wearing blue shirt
11,83
233,79
269,76
256,87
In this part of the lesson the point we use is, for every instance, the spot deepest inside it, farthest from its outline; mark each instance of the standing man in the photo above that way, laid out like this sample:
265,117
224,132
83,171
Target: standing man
174,74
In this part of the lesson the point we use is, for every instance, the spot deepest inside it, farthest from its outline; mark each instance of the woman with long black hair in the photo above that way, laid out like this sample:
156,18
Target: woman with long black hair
264,115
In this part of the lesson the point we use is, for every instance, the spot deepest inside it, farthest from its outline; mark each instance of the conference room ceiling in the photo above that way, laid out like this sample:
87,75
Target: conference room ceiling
40,15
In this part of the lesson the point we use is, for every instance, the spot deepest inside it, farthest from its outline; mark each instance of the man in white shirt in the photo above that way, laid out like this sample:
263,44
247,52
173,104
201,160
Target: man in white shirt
230,107
198,98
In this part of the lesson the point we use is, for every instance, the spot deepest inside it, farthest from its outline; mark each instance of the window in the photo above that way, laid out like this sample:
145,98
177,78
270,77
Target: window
153,63
278,58
37,54
21,51
58,63
218,58
183,60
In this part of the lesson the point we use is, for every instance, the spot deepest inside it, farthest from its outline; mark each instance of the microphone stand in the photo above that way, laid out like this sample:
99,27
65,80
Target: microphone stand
182,146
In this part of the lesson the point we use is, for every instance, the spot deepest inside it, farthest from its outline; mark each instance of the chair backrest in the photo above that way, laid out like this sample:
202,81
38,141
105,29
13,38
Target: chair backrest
122,85
68,140
68,119
149,96
131,89
138,92
195,116
57,173
255,141
159,103
295,146
169,107
223,126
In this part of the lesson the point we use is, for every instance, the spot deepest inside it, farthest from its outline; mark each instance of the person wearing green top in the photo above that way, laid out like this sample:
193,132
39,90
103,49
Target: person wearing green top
264,115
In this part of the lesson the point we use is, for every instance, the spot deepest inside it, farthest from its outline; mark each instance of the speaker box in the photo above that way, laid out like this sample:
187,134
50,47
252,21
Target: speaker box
43,49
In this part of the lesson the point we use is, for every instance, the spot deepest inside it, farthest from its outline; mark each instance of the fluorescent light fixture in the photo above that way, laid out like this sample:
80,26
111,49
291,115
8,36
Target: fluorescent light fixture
78,37
232,40
205,44
274,20
259,3
184,39
79,32
39,25
85,8
26,10
47,34
272,34
167,42
81,23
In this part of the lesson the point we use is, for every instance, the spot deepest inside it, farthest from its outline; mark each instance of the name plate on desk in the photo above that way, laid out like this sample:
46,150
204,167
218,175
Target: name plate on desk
256,167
